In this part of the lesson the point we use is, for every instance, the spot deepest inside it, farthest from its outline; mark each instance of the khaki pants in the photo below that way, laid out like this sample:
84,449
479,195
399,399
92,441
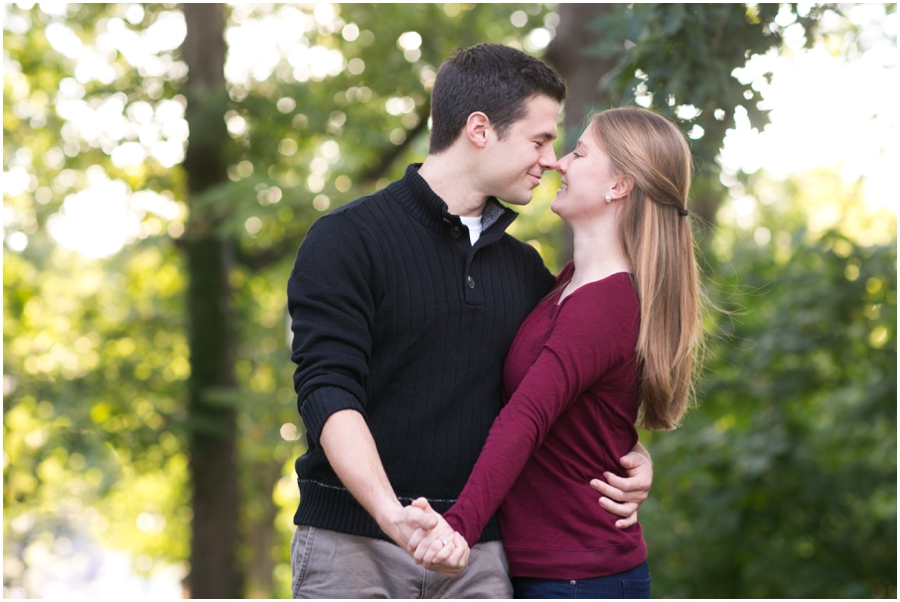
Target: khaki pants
327,564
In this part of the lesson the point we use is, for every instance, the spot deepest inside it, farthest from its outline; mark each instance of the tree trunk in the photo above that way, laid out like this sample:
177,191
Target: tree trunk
212,426
582,74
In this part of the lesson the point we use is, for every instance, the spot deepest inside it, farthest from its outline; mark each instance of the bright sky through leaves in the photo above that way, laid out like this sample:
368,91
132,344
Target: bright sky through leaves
826,111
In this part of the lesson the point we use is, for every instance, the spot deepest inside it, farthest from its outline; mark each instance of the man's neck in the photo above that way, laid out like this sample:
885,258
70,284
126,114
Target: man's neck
450,180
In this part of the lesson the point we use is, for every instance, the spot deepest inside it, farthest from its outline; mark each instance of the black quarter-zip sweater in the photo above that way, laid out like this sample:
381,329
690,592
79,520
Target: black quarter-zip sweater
395,314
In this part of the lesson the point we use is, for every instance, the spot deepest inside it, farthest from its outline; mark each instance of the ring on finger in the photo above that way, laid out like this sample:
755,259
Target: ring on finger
444,542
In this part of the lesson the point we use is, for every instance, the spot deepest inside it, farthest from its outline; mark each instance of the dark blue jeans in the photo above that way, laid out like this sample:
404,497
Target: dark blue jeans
629,584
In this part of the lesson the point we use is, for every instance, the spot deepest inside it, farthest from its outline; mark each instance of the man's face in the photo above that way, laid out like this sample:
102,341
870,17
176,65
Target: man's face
513,166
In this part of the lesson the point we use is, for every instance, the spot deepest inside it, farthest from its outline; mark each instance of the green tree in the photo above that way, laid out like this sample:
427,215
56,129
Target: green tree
782,483
677,59
95,355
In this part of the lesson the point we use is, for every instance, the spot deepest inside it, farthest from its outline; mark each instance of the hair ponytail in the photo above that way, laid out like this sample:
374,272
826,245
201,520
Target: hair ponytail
657,241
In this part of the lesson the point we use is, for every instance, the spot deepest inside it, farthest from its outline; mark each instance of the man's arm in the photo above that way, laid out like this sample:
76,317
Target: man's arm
352,453
331,300
623,496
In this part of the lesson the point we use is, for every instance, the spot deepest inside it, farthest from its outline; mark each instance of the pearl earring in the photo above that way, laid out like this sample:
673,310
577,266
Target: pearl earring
608,198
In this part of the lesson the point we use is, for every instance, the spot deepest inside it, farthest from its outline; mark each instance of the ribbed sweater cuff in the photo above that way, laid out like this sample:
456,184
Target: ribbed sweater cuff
322,403
335,508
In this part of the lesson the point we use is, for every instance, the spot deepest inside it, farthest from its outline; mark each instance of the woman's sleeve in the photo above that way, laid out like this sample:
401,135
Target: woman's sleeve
579,351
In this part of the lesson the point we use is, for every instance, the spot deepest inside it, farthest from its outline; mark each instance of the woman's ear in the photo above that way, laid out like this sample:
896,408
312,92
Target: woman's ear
623,185
477,127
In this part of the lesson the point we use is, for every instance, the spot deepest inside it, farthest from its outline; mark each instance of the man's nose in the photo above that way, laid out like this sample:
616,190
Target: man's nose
548,159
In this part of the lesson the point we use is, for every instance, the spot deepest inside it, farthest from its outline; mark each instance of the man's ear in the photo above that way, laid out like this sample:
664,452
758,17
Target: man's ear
478,125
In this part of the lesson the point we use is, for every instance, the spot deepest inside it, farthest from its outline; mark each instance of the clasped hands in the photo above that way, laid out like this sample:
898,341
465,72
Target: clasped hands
431,541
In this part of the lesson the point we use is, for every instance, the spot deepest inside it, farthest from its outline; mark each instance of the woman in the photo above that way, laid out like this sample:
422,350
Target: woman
612,344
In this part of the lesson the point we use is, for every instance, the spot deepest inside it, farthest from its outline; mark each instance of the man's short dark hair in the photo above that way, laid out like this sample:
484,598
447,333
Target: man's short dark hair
494,79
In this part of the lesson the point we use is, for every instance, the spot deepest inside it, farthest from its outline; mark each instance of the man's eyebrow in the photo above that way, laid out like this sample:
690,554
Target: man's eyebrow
547,135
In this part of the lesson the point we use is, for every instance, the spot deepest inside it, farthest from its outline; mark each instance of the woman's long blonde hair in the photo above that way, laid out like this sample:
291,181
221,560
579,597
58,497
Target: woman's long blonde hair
658,244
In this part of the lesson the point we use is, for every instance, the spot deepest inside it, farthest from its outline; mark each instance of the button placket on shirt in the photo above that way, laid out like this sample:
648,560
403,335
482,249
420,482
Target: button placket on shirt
473,293
456,232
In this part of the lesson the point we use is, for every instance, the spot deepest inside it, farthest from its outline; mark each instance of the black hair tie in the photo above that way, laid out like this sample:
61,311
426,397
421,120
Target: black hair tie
683,212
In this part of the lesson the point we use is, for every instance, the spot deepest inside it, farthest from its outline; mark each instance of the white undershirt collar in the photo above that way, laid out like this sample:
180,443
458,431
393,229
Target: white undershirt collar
474,226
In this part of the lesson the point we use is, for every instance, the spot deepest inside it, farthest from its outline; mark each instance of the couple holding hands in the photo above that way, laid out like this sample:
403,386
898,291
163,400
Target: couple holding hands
443,373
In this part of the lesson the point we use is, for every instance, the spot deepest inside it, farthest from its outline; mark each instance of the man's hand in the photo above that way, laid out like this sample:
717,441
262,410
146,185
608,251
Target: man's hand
622,496
407,522
440,549
350,448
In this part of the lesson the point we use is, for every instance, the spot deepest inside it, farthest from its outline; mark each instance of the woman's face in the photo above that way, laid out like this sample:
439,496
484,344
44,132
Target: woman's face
587,177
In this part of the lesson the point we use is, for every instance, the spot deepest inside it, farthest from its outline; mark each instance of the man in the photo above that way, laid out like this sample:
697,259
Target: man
404,304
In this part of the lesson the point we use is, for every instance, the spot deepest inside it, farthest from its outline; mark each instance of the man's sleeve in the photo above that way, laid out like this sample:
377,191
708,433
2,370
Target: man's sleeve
332,308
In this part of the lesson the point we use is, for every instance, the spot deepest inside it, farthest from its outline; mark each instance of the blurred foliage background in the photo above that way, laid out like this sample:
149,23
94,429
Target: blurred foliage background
781,483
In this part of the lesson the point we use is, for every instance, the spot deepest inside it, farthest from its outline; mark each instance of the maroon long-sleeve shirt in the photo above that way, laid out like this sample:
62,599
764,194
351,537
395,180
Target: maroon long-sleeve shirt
571,382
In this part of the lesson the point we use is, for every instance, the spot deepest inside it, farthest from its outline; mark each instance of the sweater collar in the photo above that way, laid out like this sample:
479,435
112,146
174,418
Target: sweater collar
414,193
